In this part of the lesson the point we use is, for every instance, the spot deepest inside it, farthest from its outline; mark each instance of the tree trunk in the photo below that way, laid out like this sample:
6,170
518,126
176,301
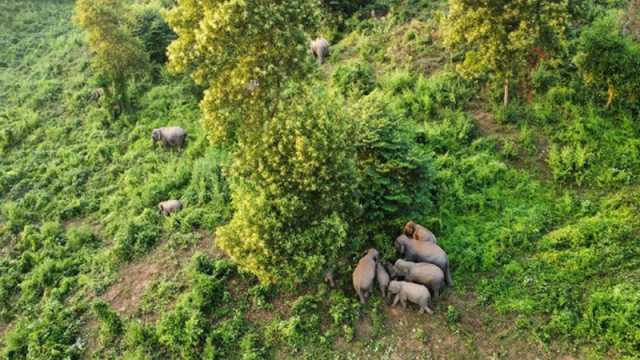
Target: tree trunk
611,92
506,92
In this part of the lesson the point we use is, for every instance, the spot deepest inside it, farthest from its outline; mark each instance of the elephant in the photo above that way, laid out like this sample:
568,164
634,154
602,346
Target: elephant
97,94
320,49
252,86
169,206
328,278
364,274
426,274
382,277
170,136
424,251
415,293
419,232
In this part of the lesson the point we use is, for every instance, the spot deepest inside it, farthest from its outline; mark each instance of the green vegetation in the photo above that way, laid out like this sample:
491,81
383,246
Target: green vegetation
535,202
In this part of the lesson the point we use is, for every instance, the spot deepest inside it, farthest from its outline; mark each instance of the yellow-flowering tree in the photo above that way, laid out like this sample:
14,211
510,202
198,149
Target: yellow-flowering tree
294,192
498,36
244,52
117,54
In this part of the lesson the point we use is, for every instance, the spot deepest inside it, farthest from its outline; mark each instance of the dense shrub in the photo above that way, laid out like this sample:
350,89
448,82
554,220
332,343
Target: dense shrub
293,193
354,79
609,61
110,324
185,329
52,334
395,173
154,33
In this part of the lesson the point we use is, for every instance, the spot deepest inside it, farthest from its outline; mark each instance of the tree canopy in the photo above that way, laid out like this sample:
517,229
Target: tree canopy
499,36
244,52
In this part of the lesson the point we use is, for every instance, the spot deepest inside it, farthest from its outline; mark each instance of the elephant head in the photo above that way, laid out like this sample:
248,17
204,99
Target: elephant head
410,228
401,244
156,135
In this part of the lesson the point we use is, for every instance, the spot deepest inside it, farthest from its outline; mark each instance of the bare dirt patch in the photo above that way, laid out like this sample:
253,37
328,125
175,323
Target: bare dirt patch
135,278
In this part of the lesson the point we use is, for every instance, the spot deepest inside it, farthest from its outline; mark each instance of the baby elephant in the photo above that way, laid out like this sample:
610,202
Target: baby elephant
419,232
426,274
320,49
424,251
169,206
364,274
170,136
382,277
415,293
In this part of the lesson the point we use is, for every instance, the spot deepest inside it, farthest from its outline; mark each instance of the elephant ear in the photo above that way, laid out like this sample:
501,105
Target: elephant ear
161,207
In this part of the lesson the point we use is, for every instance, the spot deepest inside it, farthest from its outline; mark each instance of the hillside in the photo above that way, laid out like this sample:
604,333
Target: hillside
536,204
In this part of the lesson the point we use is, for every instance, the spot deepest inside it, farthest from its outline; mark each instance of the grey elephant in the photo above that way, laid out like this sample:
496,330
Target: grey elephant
382,277
415,293
364,274
171,136
169,206
419,232
426,274
320,49
424,251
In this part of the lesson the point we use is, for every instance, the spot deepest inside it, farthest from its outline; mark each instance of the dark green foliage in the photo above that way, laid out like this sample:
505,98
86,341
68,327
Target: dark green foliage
609,61
394,172
154,33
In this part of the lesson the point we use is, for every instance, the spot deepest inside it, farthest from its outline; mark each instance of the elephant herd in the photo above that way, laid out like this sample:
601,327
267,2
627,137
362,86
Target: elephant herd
421,273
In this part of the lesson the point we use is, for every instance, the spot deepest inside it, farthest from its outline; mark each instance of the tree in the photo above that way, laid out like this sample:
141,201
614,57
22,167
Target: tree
293,191
117,54
244,52
498,36
607,59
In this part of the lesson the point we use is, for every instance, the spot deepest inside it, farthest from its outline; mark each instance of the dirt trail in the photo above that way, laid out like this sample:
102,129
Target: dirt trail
135,278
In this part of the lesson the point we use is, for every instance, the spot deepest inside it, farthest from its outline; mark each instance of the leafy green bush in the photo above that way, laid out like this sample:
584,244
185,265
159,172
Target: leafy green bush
51,334
294,193
612,315
569,163
354,79
609,61
188,326
394,171
154,33
138,236
110,324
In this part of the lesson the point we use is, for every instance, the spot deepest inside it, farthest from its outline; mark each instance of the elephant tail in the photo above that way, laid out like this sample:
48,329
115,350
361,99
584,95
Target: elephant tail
448,275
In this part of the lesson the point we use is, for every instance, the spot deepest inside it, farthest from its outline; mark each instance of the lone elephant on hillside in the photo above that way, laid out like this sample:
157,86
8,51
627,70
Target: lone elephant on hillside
424,251
364,274
419,232
171,136
170,206
320,49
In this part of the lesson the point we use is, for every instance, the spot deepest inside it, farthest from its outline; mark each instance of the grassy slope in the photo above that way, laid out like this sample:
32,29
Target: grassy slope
68,165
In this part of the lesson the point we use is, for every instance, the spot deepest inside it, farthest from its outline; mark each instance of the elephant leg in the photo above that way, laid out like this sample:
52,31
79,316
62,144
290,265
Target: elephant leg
362,299
395,301
427,309
403,301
